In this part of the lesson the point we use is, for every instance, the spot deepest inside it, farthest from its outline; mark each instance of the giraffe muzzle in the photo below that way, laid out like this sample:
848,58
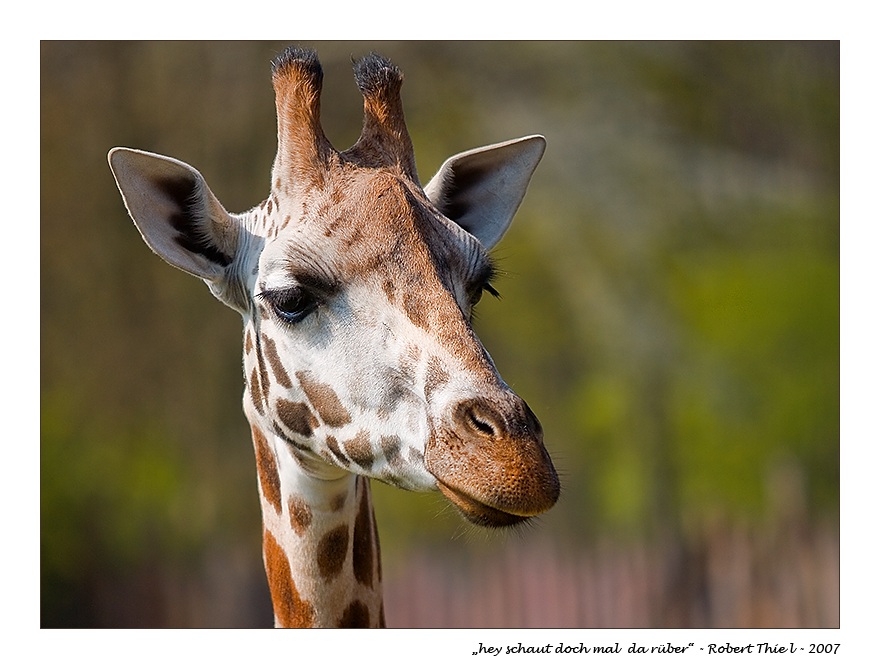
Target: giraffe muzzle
489,460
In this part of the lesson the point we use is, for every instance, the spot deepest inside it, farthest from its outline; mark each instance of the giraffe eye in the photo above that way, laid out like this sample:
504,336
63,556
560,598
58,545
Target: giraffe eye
483,281
485,288
292,304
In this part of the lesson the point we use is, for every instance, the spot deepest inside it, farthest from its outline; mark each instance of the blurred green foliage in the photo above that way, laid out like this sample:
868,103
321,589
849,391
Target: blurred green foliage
670,291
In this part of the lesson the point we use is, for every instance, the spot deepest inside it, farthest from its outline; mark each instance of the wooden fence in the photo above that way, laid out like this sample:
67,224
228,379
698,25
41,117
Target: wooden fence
727,579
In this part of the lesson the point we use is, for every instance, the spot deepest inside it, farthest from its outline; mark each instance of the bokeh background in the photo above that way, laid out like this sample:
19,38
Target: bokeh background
670,311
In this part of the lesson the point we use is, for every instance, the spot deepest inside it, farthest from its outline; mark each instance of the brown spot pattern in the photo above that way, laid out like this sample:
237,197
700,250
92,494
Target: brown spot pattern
416,309
275,362
362,542
254,388
409,361
436,377
300,514
293,446
333,445
263,388
267,470
354,237
248,342
325,401
359,449
296,416
388,287
356,615
290,609
332,550
338,502
393,394
391,449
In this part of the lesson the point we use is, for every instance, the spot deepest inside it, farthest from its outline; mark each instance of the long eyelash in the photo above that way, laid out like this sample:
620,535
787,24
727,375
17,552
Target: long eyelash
271,298
492,272
275,294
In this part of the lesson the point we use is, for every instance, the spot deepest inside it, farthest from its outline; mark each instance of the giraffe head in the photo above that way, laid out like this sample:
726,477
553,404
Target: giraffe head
356,286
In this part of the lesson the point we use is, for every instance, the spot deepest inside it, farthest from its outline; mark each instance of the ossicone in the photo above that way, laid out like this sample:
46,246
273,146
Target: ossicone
384,140
303,149
304,153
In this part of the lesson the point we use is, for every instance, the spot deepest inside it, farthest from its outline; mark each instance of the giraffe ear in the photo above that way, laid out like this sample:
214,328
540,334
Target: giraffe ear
175,211
481,189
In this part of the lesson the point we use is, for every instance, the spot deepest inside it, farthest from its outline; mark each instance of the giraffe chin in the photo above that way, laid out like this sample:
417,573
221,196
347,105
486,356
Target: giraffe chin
477,512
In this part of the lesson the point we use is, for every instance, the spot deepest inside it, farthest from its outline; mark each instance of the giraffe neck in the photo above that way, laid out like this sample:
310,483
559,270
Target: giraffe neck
320,545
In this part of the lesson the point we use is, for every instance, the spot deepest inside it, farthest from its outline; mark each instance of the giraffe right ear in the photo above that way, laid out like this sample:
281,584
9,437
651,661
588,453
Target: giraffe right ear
176,213
481,189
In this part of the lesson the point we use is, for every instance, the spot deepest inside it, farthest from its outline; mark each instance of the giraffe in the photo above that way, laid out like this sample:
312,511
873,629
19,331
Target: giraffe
356,287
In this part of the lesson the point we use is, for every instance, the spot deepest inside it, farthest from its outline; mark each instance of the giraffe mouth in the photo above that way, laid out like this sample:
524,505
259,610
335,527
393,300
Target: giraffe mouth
477,512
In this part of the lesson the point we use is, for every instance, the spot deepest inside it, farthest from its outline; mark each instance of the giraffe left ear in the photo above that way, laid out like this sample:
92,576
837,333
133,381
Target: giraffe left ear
176,213
481,189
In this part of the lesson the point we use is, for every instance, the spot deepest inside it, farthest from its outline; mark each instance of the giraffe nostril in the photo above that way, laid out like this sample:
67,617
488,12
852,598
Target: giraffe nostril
478,419
480,425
